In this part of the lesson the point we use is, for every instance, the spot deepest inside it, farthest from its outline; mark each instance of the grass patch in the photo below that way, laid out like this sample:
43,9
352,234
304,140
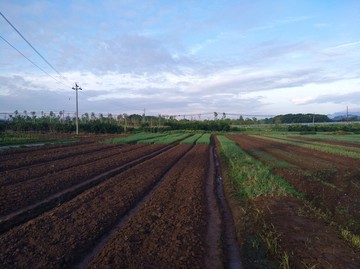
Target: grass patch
250,177
350,237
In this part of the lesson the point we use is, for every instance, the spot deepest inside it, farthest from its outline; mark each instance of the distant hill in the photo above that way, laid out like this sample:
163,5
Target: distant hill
341,116
298,118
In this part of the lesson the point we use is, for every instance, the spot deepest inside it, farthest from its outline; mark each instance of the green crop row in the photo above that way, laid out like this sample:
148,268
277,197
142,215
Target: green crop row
134,138
250,177
352,152
168,139
204,139
352,138
191,139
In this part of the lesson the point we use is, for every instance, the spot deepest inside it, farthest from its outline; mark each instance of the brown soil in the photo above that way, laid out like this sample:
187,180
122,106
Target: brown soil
309,236
153,214
16,196
60,237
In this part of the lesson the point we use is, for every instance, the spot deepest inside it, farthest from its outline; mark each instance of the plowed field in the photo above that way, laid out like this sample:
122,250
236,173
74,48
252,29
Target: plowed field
312,228
90,205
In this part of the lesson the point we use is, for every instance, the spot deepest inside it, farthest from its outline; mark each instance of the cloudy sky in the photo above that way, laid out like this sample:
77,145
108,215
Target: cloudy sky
251,57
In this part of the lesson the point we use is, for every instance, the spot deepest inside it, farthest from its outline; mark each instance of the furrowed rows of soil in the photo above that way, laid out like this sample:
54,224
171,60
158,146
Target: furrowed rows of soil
153,214
60,237
15,160
52,166
330,181
19,195
169,229
309,236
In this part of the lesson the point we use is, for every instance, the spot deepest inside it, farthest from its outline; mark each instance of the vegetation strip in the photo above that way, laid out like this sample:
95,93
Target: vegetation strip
251,177
191,139
278,214
230,244
134,138
171,138
327,148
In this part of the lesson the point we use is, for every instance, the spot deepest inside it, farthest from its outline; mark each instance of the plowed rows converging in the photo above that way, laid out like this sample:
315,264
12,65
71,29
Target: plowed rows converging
169,228
18,159
19,195
51,167
74,227
327,179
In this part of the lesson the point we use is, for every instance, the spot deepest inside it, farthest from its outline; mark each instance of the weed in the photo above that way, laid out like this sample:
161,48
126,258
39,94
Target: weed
250,177
309,266
285,261
352,238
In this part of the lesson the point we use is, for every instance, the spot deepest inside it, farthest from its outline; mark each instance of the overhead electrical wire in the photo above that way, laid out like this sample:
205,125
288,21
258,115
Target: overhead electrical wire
31,61
38,53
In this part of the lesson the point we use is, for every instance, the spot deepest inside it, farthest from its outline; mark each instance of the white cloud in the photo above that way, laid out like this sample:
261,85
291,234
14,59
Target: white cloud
302,100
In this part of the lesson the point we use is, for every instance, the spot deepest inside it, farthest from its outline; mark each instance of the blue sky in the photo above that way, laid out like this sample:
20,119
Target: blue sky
176,57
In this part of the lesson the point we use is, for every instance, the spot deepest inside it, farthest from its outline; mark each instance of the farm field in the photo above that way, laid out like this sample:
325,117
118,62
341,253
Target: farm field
320,226
182,200
114,205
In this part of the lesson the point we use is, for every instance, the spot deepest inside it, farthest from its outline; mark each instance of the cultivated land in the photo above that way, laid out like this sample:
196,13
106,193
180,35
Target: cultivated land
157,201
320,227
91,205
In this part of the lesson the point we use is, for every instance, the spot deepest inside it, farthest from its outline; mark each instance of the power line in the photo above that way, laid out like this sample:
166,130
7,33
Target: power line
31,61
32,46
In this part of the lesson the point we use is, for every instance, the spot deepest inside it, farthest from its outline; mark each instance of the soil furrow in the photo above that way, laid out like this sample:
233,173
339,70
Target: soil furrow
76,226
59,165
43,156
230,244
131,212
20,195
169,230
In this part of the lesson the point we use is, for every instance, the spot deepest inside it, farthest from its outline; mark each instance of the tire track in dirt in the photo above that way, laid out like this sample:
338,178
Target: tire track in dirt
230,244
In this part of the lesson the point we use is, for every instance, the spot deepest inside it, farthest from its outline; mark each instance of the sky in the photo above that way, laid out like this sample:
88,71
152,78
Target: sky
241,57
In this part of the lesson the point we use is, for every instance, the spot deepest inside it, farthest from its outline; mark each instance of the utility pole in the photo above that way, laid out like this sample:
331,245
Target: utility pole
77,107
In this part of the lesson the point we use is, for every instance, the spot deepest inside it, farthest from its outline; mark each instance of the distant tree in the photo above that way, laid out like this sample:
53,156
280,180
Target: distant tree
215,115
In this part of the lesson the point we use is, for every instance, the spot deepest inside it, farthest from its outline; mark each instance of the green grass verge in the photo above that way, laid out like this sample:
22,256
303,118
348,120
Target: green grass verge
250,177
